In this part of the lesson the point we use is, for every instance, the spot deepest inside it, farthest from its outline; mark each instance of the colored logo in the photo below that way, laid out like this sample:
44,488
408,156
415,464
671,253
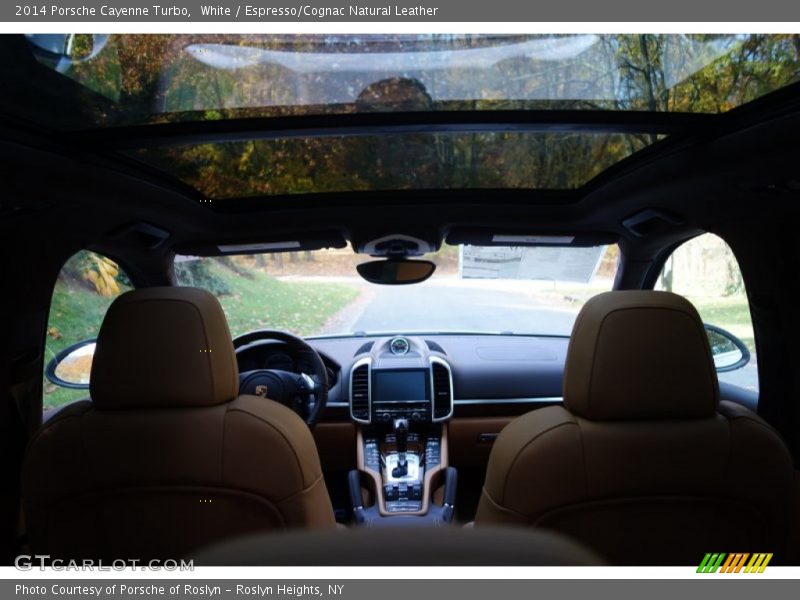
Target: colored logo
734,563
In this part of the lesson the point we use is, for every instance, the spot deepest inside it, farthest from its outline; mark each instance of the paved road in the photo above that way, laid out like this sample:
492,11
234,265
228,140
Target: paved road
459,305
437,307
746,377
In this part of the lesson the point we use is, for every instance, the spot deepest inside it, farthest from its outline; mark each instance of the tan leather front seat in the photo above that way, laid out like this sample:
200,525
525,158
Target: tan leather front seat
167,457
643,463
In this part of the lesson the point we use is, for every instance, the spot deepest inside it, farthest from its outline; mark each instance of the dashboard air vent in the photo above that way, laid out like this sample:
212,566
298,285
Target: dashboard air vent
359,392
442,389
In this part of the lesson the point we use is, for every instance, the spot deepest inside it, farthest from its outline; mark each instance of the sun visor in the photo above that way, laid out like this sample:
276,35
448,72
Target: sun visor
317,240
476,236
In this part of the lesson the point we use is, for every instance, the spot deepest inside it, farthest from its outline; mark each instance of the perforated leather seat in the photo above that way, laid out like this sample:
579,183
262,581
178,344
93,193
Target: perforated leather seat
166,457
643,463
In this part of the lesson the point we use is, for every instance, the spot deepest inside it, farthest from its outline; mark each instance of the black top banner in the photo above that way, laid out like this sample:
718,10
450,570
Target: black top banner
475,11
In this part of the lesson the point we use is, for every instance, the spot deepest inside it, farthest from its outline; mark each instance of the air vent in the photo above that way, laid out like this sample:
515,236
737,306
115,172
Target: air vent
442,389
434,347
366,347
360,399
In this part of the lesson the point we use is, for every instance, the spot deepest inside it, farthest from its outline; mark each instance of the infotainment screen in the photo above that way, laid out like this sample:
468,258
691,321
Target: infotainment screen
406,385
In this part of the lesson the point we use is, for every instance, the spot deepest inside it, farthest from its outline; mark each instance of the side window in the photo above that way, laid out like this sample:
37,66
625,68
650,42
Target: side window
705,271
86,286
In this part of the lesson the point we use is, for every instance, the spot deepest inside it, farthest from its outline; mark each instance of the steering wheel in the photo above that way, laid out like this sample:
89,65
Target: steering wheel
304,394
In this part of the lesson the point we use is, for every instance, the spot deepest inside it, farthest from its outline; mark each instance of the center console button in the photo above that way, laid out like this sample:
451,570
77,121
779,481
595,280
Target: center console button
404,506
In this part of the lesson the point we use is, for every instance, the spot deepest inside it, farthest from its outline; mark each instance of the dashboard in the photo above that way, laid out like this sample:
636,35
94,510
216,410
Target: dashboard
490,375
426,377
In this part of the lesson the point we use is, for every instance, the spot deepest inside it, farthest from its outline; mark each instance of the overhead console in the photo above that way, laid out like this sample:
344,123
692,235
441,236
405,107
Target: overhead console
401,393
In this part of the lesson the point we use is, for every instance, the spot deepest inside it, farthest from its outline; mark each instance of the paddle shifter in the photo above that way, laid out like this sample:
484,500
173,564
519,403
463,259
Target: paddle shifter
401,439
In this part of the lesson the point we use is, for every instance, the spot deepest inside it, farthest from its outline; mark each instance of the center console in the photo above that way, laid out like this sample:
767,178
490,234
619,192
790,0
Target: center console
401,395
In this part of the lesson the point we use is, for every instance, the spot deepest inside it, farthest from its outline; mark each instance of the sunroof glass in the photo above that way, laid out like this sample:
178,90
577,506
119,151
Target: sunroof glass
394,162
152,78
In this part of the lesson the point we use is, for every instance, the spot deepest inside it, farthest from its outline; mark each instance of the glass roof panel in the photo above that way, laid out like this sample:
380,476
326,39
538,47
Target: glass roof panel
394,162
105,81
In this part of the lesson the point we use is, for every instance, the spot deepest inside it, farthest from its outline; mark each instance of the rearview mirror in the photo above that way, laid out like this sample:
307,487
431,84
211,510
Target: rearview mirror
72,366
396,271
728,351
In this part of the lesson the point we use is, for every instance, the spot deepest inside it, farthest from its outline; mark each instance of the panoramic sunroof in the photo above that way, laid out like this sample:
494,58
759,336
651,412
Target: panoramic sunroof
137,79
89,82
394,162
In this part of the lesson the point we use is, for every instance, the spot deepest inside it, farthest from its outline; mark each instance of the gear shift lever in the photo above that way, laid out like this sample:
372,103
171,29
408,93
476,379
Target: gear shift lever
401,439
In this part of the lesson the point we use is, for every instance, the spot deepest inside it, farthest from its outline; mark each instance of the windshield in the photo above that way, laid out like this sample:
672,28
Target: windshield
492,290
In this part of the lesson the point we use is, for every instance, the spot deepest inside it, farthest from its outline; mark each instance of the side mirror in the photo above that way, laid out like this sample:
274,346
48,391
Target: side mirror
72,366
728,351
396,271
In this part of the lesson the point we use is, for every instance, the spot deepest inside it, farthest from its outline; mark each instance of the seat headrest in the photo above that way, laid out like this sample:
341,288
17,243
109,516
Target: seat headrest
164,347
639,355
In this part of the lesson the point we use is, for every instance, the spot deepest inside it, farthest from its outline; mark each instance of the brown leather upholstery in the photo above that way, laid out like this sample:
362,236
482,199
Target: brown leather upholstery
406,547
167,458
639,355
643,463
178,337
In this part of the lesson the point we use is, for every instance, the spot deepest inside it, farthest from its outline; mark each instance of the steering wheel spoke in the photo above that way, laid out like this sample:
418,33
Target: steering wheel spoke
311,385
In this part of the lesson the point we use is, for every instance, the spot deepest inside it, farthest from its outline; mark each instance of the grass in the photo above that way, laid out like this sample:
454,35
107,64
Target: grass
302,308
76,313
729,312
258,301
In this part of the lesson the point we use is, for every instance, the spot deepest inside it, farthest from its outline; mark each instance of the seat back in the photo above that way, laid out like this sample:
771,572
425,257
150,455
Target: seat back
643,463
167,457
